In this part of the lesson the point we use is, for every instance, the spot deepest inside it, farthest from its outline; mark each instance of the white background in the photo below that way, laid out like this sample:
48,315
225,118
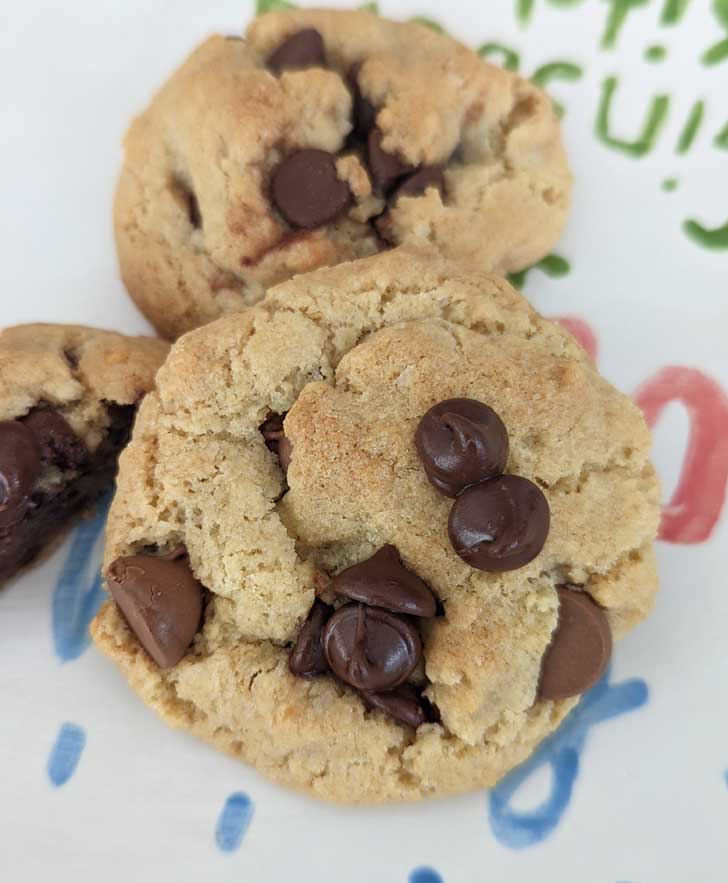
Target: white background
651,802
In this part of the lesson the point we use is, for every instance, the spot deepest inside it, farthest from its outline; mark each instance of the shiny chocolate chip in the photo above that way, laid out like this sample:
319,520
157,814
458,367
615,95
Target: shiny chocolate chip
383,581
303,49
580,647
371,649
403,704
421,181
59,445
500,524
161,601
20,466
461,442
307,656
306,189
386,168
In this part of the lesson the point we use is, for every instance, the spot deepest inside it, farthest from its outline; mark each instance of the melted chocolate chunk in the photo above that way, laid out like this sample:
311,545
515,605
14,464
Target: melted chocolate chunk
47,511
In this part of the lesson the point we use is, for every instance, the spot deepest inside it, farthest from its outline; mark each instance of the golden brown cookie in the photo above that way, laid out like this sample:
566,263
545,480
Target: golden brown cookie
323,137
68,396
355,356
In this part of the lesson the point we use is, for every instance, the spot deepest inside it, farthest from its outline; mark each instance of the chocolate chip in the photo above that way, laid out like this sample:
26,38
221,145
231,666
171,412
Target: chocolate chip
461,442
276,441
162,602
306,189
499,524
383,581
363,111
302,49
307,657
50,507
580,647
403,704
420,181
20,466
371,649
386,168
59,445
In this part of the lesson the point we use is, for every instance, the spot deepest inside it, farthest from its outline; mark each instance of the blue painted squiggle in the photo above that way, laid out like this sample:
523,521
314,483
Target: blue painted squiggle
78,592
65,754
561,752
424,875
233,822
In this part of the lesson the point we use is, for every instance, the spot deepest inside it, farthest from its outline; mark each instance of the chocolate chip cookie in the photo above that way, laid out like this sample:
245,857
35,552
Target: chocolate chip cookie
382,543
68,396
322,137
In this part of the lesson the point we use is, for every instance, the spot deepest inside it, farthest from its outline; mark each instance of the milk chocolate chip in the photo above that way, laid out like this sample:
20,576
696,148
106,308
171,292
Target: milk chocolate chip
307,656
162,602
371,649
302,49
383,581
461,442
307,190
500,524
20,465
580,647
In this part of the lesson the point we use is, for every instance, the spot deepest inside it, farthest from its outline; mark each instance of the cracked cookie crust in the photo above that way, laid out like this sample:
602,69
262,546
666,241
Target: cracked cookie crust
349,359
409,138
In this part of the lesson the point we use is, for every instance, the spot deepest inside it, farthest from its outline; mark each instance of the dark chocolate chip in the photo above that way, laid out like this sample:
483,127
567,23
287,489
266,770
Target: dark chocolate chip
303,49
383,581
307,657
420,181
499,524
307,190
59,445
386,169
162,602
276,441
580,647
371,649
50,507
20,466
363,111
461,442
403,704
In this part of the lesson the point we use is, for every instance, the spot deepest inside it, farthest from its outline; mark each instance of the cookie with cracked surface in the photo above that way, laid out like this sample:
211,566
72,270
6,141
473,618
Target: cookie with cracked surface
323,137
351,358
68,396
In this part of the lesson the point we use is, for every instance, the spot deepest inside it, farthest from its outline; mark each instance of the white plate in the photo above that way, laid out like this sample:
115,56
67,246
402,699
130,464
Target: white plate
634,787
